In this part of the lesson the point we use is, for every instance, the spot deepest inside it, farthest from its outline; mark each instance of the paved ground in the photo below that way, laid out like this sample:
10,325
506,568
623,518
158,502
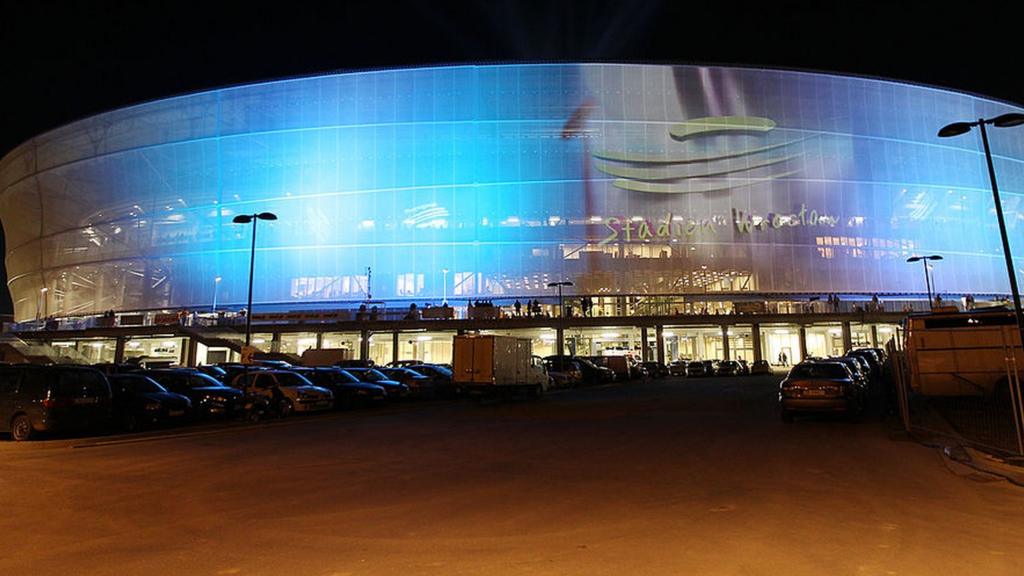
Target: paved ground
667,477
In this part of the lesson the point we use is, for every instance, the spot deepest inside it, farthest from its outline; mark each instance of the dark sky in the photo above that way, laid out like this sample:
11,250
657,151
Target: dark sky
62,61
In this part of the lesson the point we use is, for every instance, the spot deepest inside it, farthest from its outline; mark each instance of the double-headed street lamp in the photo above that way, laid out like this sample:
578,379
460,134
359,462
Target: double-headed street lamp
245,219
561,307
1002,121
924,260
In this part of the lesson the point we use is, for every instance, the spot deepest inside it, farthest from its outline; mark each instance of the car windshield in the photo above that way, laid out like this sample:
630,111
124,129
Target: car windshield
200,380
138,384
830,371
290,379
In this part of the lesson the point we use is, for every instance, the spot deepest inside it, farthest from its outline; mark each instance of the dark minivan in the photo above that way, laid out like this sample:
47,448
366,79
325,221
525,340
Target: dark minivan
52,398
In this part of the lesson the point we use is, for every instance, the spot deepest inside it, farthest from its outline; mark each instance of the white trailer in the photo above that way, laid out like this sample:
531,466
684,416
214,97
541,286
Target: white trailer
487,364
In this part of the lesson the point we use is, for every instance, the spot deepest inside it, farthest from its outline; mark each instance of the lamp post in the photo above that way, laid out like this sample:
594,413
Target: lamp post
444,288
561,307
1002,121
924,260
560,333
245,219
216,284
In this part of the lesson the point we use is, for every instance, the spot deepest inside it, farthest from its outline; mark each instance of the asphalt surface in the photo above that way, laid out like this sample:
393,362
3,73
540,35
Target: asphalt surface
665,477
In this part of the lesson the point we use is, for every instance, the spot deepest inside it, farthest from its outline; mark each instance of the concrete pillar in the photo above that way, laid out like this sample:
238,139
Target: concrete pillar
755,335
394,346
119,350
644,354
364,344
659,337
559,341
275,342
803,343
319,340
847,337
725,342
874,336
192,350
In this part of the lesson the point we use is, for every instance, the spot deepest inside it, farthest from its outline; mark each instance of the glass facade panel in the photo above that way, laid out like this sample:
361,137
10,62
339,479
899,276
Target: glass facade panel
630,179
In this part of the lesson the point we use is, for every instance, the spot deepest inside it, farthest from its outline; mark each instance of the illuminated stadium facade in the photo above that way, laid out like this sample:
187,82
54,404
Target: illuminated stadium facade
488,182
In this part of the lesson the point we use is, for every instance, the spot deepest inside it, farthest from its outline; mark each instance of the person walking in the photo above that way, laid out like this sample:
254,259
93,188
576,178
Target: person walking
518,306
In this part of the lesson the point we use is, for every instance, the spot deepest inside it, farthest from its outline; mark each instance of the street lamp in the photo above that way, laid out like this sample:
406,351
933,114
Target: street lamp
216,284
924,260
1003,121
561,307
245,219
444,288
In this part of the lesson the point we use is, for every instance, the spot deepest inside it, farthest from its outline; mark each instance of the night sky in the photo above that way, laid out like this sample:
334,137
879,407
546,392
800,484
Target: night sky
62,61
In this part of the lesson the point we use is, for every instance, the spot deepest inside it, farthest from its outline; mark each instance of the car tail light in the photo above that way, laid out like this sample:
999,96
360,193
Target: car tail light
49,403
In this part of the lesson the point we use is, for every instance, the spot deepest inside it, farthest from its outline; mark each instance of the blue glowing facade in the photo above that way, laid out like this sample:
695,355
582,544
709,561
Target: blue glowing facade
626,179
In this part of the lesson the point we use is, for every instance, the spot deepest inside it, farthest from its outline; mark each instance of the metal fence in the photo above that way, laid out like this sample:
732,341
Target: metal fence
988,421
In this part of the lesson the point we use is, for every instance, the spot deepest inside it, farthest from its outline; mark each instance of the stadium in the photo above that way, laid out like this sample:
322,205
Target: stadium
656,190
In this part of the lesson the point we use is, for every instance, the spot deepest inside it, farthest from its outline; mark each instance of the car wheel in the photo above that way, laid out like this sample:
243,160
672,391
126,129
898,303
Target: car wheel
21,428
286,408
130,423
786,416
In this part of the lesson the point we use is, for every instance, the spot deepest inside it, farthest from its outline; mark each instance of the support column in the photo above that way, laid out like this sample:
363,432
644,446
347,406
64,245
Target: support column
319,340
803,343
847,337
559,340
119,350
659,337
874,336
644,354
192,351
755,335
394,346
725,342
364,344
275,342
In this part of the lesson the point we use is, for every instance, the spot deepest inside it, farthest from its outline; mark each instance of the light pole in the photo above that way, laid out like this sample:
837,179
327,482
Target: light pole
216,284
924,260
1003,121
444,288
561,307
245,219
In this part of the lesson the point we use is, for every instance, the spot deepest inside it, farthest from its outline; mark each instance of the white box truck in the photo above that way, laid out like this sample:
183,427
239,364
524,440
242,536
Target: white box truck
487,364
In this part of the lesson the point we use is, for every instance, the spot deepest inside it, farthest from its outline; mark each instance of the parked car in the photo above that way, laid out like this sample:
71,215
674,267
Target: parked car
697,368
590,373
820,386
395,390
655,369
208,395
873,358
36,399
286,391
440,376
419,385
728,368
677,368
348,391
403,363
233,369
760,367
215,372
744,367
140,402
862,377
563,372
354,363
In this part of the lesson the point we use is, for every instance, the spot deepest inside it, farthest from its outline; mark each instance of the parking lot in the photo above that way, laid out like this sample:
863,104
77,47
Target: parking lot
670,476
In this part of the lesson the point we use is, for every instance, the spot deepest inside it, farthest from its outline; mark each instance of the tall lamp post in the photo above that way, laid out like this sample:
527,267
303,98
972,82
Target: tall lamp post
245,219
924,260
444,288
216,285
561,306
560,333
1003,121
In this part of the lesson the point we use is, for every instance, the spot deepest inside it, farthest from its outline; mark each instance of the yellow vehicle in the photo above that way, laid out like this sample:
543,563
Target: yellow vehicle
952,353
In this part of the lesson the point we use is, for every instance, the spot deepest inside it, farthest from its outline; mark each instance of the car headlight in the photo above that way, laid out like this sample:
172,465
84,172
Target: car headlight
153,406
